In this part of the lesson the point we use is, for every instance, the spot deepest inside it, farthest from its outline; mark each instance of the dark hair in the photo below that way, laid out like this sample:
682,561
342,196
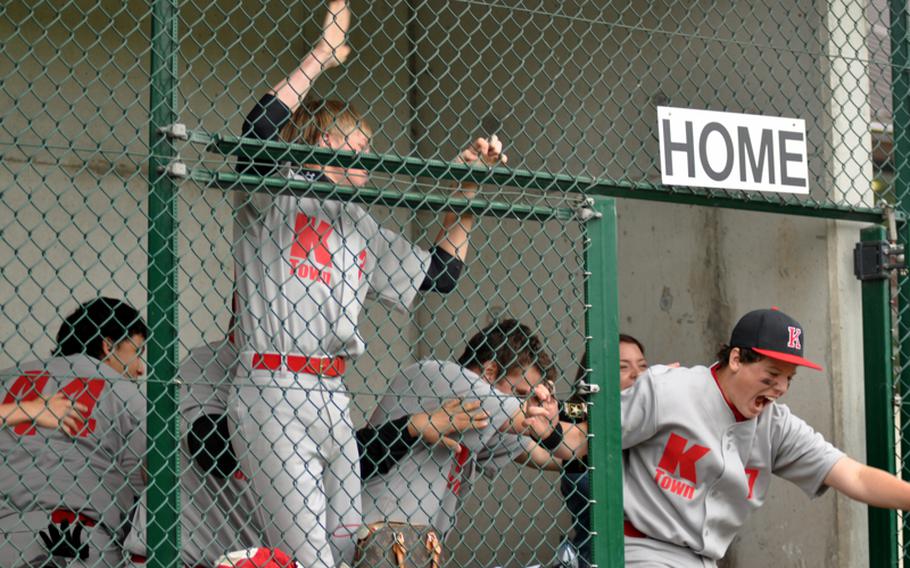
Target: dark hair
746,355
85,330
623,338
510,345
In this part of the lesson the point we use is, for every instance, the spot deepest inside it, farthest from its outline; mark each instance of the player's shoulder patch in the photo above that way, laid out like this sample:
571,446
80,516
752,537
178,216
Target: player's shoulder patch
674,377
778,411
658,370
438,367
127,389
33,366
672,373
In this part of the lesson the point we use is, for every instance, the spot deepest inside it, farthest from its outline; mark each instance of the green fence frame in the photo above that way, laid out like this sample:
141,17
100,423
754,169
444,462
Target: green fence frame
602,330
879,391
162,422
900,91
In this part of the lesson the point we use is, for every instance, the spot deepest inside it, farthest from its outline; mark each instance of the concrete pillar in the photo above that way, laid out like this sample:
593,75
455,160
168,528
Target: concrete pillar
849,175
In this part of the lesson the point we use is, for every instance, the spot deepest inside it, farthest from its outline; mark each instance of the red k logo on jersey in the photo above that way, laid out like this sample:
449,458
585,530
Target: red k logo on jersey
752,476
793,341
461,458
677,457
310,256
361,262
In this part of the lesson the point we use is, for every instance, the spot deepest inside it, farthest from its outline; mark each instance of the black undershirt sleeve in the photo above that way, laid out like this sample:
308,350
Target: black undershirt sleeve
444,272
263,122
380,448
384,446
208,440
576,465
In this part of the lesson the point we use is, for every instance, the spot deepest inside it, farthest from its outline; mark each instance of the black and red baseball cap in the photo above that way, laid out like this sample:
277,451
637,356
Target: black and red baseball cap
774,334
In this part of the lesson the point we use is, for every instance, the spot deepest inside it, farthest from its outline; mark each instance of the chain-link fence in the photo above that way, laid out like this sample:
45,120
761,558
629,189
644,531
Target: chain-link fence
253,190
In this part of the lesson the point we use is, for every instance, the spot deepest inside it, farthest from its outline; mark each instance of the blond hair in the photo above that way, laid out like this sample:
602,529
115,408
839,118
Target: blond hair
314,119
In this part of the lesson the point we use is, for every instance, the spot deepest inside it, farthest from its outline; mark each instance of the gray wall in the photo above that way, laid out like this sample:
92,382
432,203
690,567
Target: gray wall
570,94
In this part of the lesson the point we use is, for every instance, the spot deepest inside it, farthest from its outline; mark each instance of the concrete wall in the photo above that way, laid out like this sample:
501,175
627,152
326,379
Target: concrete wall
571,92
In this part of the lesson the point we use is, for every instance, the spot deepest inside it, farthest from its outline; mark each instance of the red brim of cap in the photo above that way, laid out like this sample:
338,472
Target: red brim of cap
789,358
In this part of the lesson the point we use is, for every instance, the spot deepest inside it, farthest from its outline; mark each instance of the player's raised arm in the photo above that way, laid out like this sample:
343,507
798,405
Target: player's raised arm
330,51
273,110
453,238
451,249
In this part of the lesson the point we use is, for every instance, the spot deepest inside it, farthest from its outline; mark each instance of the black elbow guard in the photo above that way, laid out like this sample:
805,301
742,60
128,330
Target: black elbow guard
210,447
444,272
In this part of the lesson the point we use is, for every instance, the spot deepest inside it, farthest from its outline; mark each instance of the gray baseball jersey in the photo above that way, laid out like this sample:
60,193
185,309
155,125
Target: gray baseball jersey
693,472
215,512
97,472
424,487
304,268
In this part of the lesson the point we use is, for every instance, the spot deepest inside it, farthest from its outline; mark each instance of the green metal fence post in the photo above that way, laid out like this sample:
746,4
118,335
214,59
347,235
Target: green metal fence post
163,461
903,378
900,91
877,355
602,334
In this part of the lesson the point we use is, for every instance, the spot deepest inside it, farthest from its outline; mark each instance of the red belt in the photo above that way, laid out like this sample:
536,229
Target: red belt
325,366
629,529
60,515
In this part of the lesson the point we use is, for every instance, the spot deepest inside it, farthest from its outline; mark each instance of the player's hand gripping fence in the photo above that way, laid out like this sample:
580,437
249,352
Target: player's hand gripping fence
126,171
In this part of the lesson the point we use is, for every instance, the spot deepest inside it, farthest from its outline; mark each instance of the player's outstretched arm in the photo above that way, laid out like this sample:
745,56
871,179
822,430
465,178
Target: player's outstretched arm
56,412
330,51
573,444
453,238
575,441
453,417
869,485
383,446
538,415
556,440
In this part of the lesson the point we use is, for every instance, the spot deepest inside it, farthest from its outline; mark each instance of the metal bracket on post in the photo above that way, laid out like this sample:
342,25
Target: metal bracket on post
585,212
890,220
587,388
175,131
176,169
874,260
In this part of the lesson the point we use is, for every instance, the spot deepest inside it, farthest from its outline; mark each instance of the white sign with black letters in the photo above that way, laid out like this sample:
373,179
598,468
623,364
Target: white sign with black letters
703,148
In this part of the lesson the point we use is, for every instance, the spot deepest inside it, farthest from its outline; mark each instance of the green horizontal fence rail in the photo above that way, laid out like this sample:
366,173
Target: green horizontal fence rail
257,150
375,196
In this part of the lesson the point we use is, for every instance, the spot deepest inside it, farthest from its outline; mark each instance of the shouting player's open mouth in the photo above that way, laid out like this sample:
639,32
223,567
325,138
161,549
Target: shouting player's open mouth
761,401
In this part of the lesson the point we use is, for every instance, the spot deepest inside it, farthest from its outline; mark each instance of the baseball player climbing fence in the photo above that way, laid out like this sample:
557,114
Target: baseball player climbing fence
312,281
